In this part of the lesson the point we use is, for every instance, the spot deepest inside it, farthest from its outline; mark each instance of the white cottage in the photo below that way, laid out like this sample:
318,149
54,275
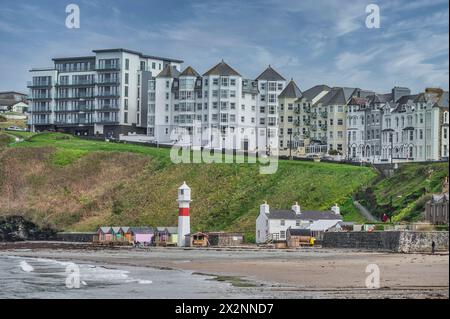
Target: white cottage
273,224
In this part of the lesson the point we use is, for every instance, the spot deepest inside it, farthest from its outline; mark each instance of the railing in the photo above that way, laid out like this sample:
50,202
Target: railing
323,127
41,96
106,67
297,110
324,114
38,83
297,122
108,94
86,82
41,110
107,108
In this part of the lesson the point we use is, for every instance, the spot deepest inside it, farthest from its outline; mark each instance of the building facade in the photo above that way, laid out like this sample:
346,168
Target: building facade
100,94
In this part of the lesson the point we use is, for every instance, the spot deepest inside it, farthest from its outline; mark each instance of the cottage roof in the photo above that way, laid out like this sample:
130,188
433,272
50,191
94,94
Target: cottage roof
270,74
105,230
142,230
304,215
172,230
322,225
116,229
291,91
221,69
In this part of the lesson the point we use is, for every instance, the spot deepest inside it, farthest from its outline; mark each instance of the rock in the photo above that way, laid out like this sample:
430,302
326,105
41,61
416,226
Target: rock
17,228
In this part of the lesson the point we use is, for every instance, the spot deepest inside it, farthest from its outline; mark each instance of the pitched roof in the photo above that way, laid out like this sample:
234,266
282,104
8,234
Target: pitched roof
311,93
322,225
172,230
270,74
142,230
334,97
291,91
169,71
189,71
406,98
304,215
221,69
8,102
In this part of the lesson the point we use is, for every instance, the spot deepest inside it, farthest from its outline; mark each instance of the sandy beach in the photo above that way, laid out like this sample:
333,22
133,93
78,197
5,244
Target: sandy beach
304,273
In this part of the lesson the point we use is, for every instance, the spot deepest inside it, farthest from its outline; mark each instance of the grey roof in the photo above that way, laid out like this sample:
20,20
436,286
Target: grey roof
105,230
169,71
221,69
348,93
189,71
406,99
304,215
421,98
311,93
250,86
8,102
172,230
270,74
145,56
337,96
299,232
75,58
142,230
291,91
443,100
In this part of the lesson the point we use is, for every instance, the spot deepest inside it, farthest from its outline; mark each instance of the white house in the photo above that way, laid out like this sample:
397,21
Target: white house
273,224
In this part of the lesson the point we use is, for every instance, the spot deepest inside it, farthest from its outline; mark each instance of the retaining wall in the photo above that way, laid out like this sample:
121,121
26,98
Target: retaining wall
396,241
76,237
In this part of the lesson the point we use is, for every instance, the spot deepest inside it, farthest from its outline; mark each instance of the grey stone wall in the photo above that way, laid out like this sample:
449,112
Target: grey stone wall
75,237
396,241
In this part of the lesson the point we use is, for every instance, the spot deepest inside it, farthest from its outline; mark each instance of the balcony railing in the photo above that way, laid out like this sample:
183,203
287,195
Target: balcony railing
41,110
324,114
108,94
107,108
39,83
108,67
106,121
77,83
323,127
47,96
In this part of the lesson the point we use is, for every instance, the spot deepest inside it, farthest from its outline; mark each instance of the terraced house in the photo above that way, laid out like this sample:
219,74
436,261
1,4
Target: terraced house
101,94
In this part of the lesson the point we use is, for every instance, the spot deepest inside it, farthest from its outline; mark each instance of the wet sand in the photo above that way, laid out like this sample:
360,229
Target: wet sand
304,273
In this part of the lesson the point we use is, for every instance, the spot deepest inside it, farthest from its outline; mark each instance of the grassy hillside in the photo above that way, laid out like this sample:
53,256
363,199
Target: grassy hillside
75,184
405,193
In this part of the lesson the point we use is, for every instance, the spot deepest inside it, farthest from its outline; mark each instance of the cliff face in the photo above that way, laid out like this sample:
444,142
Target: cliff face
17,228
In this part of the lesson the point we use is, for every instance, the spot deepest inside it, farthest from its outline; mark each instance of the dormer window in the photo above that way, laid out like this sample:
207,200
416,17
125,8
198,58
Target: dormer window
282,222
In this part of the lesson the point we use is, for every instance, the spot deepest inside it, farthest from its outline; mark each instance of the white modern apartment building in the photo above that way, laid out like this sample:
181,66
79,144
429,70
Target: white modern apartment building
102,94
219,109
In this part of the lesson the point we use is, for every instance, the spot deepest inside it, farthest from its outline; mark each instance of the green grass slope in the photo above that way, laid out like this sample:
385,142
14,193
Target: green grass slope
76,184
405,193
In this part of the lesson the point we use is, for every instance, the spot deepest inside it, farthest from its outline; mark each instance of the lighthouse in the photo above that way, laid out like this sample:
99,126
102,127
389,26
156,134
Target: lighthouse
184,223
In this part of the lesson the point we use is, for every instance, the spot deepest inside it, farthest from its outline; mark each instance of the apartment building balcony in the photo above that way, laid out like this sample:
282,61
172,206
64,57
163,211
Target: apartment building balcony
297,110
75,97
324,114
323,127
37,110
108,82
109,95
314,115
39,84
36,97
306,122
313,127
297,123
106,121
41,122
76,122
107,67
107,108
76,83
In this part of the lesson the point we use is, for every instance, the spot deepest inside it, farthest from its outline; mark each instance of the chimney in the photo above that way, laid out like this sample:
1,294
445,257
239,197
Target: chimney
264,208
296,208
335,209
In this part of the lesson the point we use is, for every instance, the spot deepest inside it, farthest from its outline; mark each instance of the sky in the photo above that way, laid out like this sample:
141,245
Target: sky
311,41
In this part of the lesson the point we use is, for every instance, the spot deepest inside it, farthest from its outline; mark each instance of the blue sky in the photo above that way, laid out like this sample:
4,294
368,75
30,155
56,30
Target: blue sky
311,41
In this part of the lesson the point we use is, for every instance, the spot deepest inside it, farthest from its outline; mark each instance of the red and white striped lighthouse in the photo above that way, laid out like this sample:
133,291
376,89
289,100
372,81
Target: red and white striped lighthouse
184,222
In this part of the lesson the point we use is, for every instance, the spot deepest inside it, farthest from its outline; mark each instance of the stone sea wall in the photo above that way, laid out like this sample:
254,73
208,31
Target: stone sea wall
395,241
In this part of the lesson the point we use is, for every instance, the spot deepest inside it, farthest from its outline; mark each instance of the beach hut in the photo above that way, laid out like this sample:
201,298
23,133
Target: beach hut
166,236
118,234
173,236
197,239
142,235
105,234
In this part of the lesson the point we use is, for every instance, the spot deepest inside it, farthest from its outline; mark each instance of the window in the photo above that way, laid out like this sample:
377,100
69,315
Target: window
125,117
282,222
340,122
127,78
126,91
232,82
125,101
216,81
262,109
127,64
282,234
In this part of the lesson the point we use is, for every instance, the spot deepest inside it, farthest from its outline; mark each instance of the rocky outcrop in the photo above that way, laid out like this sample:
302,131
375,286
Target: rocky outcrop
17,228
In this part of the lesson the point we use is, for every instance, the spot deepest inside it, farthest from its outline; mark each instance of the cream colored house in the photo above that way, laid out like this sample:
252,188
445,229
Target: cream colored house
289,117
